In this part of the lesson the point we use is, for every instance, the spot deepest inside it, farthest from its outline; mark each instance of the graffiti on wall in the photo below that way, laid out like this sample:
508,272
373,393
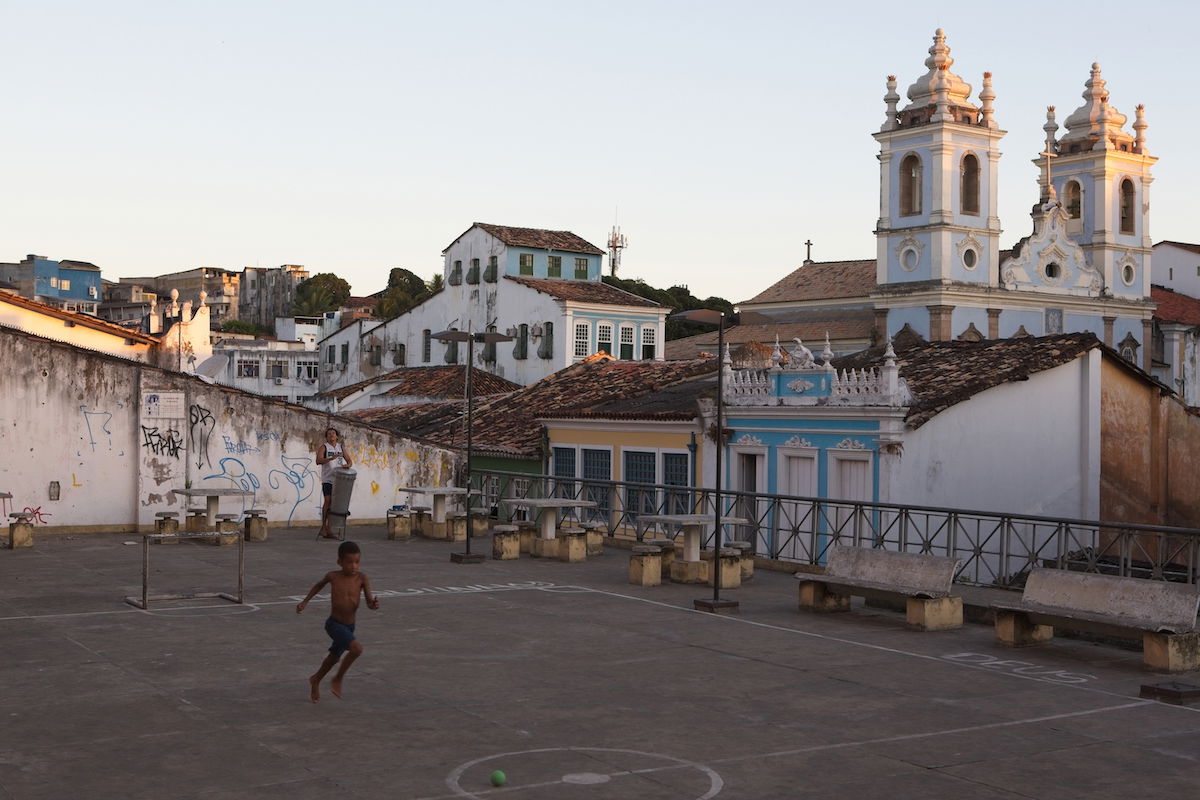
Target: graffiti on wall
200,426
234,471
241,447
162,442
37,514
97,428
298,472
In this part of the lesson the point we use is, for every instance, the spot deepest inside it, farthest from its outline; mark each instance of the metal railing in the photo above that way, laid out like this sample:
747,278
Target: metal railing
996,549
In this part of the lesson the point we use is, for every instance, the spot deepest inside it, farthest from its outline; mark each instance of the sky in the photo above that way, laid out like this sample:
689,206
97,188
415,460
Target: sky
354,137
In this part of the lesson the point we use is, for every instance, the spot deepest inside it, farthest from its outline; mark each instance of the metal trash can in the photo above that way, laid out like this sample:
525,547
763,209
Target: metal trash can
343,488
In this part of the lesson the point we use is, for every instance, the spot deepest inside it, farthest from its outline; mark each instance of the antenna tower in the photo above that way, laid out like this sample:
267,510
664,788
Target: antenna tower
616,243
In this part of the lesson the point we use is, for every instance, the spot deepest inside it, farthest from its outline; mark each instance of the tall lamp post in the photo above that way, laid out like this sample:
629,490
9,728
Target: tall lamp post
470,337
708,316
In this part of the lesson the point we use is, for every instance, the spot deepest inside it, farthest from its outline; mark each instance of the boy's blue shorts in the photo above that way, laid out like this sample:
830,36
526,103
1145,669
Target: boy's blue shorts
341,633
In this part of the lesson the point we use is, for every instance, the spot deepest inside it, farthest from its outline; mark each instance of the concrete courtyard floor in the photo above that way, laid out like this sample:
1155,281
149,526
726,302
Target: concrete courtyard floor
571,681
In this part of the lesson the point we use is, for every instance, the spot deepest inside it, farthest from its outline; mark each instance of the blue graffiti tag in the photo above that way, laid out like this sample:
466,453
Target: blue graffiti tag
234,471
298,472
101,423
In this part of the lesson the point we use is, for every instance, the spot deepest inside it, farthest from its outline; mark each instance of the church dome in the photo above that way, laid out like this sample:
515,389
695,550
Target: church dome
924,92
1095,119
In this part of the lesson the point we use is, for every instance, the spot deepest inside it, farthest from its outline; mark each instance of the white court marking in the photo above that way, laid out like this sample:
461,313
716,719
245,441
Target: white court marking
454,779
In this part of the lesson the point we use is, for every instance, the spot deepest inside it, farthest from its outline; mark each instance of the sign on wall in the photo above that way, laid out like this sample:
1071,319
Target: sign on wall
165,405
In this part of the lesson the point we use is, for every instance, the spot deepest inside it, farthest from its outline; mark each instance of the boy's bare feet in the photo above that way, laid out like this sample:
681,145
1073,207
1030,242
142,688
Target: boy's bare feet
335,686
314,689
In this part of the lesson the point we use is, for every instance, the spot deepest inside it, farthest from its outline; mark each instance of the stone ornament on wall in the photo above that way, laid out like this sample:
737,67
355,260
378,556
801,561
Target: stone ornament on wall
1050,258
800,386
909,245
850,444
797,441
750,440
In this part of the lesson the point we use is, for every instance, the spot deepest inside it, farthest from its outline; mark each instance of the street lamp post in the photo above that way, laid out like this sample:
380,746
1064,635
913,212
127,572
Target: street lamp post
710,316
470,337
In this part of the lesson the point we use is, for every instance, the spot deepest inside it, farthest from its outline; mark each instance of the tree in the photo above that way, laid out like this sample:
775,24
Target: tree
436,283
404,290
320,293
240,326
677,298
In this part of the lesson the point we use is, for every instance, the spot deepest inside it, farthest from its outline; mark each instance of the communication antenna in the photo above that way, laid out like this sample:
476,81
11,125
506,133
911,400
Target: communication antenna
616,243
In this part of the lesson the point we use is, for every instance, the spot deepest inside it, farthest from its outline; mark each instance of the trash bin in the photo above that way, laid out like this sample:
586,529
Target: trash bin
343,487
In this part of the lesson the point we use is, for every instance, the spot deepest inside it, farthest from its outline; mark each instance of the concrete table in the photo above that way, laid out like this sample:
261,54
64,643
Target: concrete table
213,497
548,507
439,494
693,528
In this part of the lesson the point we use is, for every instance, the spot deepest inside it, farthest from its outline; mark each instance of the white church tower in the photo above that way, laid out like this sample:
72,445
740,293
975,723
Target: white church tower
938,226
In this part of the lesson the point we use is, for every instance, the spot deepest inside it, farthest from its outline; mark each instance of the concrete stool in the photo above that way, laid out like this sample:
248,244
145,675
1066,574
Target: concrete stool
645,565
572,545
728,566
166,522
595,537
528,530
20,530
481,525
197,520
543,548
456,526
399,524
419,520
506,542
254,528
226,523
746,549
668,554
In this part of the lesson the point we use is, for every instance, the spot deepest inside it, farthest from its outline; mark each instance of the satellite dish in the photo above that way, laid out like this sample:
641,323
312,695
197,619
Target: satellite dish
212,367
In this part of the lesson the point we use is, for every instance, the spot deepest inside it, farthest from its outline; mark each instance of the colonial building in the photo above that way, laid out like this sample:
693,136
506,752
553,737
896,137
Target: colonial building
540,287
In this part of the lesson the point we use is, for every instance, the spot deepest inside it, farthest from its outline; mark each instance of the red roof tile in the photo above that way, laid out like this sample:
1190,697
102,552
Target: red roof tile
841,325
441,381
1175,307
584,292
537,238
826,280
84,320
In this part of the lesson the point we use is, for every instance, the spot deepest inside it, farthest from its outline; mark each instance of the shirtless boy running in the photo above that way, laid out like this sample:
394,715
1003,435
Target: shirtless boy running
345,585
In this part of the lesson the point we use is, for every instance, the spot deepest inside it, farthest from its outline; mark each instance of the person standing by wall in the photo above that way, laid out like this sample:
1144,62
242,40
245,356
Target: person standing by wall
330,456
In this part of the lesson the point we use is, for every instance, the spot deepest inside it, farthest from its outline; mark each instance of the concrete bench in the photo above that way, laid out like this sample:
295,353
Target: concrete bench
1162,614
254,527
923,581
20,530
645,565
506,542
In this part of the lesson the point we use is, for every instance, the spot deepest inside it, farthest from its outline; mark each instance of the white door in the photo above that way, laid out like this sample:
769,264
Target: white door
849,481
795,523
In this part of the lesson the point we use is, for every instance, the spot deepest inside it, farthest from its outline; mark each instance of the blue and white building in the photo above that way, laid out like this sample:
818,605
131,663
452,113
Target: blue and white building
68,285
541,287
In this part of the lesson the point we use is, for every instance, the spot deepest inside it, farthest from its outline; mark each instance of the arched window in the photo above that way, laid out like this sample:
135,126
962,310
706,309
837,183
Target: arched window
910,186
1074,199
1127,206
970,184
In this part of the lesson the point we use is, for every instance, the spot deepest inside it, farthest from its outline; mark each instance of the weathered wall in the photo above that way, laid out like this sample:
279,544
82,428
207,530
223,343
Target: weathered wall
118,436
1183,466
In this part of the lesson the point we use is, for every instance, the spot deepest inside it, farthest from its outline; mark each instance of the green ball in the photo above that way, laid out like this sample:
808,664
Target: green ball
498,778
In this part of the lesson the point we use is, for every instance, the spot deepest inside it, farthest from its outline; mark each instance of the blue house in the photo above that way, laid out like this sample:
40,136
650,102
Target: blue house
69,285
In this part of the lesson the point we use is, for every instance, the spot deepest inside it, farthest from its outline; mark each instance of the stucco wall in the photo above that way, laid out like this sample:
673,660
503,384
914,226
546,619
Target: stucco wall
117,437
1020,448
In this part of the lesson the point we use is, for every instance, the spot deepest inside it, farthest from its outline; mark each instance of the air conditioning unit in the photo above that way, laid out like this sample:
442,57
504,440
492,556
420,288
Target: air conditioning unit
92,291
512,331
535,330
279,381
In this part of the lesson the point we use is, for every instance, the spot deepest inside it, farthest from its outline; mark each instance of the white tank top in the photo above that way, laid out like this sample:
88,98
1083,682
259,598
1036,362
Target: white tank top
329,466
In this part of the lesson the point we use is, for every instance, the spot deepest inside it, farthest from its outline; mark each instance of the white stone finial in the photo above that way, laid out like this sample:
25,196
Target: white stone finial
986,96
891,99
174,310
776,354
1139,127
827,351
203,297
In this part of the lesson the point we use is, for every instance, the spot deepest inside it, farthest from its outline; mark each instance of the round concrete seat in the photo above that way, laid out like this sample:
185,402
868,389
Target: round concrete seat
646,550
739,546
256,512
21,516
505,528
227,517
167,514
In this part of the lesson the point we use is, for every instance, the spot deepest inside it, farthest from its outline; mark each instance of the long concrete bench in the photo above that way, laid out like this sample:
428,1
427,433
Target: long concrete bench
922,581
1162,614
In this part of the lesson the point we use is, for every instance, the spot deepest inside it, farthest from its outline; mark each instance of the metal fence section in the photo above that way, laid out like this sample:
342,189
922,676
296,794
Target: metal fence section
995,549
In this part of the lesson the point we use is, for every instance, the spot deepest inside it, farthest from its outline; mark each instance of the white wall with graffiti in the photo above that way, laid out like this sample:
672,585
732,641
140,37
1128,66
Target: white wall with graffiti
93,442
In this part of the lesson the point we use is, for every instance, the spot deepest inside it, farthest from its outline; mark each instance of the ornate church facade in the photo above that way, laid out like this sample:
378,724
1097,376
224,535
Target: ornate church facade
939,266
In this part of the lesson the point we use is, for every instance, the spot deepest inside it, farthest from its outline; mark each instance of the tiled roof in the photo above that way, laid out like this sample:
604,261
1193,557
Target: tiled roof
539,238
1175,307
826,280
676,402
441,381
840,325
943,374
509,424
1195,248
83,320
584,291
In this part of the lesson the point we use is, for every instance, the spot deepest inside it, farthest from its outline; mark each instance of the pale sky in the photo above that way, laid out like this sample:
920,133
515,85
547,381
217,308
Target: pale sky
353,137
